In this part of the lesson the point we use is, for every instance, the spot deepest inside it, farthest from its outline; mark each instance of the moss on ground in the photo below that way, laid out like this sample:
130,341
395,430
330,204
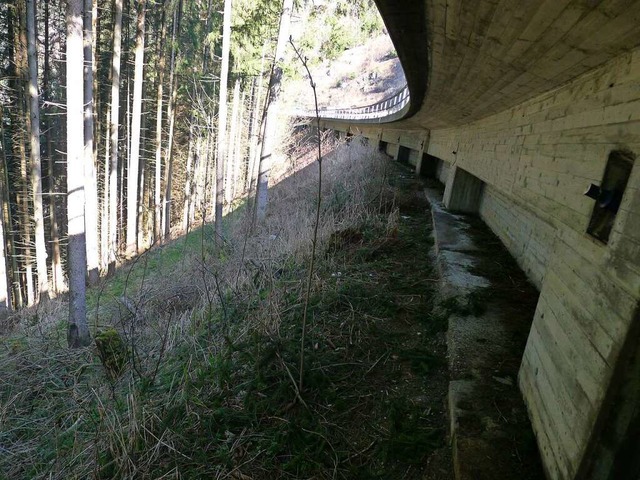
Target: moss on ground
112,351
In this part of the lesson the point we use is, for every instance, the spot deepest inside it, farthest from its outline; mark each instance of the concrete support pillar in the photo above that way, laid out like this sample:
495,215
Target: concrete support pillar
424,145
403,154
392,150
393,147
429,166
463,191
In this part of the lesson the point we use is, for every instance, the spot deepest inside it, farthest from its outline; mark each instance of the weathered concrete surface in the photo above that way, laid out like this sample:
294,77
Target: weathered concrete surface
462,192
536,160
616,453
489,320
451,245
531,98
485,56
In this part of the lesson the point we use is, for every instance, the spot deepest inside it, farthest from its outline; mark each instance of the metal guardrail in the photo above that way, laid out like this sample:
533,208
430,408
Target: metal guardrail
384,110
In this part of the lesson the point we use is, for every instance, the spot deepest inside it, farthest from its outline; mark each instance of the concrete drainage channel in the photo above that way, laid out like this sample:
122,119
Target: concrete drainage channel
490,306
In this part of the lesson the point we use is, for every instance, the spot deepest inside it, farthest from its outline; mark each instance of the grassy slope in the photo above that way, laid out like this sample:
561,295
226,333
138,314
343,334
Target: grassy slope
209,391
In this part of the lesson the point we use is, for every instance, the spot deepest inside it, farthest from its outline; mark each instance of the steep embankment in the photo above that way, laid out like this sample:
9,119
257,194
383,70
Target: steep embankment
197,371
359,76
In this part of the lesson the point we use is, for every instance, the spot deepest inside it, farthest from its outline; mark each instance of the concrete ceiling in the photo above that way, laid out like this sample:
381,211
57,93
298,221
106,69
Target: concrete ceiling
467,59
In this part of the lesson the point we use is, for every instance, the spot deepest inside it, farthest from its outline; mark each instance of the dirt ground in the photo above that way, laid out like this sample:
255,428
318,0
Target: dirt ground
389,282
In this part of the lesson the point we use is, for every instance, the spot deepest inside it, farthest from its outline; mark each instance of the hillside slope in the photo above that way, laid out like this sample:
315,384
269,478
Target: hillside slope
360,76
196,370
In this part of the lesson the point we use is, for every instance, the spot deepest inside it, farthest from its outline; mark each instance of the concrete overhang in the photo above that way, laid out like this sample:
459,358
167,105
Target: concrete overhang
468,59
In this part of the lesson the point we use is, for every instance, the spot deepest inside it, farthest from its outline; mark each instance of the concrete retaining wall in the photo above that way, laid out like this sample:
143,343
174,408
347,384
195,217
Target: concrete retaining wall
529,238
392,149
536,160
442,171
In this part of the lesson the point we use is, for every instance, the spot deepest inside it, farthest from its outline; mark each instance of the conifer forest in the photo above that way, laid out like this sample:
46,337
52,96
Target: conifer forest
195,282
123,122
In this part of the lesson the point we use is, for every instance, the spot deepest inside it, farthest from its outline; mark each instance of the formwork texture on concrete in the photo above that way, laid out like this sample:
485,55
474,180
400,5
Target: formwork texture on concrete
490,306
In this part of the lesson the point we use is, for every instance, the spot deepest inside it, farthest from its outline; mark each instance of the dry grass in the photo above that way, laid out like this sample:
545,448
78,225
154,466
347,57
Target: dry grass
177,309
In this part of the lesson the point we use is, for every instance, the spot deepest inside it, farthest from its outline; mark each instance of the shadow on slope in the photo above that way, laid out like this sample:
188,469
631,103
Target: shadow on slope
210,388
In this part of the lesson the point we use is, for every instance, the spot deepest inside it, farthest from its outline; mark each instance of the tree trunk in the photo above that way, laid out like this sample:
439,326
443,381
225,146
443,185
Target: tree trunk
206,46
97,109
195,178
240,148
256,127
202,174
5,297
5,279
105,234
90,176
78,334
36,170
210,175
231,153
115,114
159,99
166,212
187,183
56,262
145,231
142,182
18,299
14,133
222,119
171,116
270,115
134,153
252,132
22,120
57,275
